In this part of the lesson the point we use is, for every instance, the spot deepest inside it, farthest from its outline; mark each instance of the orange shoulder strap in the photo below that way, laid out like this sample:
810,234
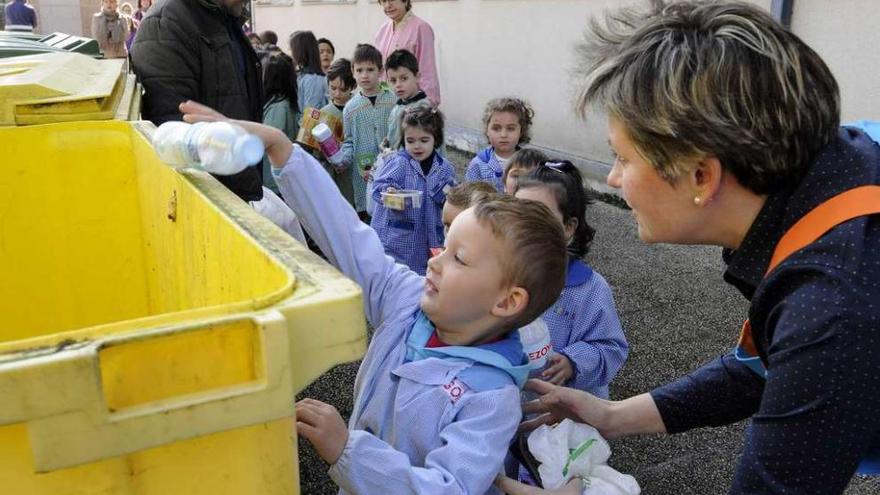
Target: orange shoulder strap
854,203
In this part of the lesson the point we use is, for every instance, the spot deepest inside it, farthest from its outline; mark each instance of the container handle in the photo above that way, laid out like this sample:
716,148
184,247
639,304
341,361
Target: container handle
78,427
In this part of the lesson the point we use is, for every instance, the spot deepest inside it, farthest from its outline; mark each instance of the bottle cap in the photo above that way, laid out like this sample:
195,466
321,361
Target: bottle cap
321,131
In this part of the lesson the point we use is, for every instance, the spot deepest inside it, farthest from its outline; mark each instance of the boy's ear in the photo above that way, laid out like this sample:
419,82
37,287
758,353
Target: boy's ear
512,303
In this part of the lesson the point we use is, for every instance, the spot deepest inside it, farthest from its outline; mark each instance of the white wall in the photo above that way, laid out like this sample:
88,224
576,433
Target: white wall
490,48
846,34
62,16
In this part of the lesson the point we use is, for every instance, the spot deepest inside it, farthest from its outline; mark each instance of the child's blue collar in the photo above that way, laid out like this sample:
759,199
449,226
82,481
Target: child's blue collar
578,273
434,156
493,365
486,155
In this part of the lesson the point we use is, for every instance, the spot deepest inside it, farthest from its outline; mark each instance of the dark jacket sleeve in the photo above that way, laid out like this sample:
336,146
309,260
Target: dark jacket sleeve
165,57
721,392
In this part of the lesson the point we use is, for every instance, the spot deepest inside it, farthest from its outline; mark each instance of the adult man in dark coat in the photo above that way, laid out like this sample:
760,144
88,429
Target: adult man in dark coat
196,50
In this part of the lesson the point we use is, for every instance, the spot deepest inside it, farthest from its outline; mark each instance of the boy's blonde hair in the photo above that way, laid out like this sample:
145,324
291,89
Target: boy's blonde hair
468,194
534,257
516,106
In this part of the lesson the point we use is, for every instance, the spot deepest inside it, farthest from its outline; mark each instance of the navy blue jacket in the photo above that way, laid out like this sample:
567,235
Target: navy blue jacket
816,324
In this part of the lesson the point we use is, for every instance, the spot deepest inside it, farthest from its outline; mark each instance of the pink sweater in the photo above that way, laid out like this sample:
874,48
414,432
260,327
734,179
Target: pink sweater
415,35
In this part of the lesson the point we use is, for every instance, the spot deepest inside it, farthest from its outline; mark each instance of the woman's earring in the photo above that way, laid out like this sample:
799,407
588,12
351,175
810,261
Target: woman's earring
697,201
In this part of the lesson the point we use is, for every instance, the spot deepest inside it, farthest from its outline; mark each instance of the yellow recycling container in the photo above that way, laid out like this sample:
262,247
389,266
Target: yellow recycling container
155,329
66,87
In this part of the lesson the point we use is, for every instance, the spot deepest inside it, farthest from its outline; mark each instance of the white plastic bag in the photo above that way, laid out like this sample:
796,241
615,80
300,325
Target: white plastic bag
574,450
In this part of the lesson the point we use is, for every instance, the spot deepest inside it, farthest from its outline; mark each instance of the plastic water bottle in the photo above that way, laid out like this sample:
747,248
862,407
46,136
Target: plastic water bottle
536,344
329,146
535,338
218,147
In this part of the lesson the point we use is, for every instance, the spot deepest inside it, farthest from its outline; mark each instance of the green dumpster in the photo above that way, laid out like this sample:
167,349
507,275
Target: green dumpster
22,35
71,43
17,47
13,44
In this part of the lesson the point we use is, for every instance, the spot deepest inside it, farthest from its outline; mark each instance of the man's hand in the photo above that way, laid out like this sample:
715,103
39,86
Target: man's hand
560,369
323,427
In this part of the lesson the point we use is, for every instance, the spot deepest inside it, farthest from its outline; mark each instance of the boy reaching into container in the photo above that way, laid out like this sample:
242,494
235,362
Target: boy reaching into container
437,395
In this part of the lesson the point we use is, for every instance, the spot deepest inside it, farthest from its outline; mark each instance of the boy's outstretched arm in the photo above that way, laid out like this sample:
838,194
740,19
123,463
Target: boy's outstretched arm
390,289
278,145
471,456
352,246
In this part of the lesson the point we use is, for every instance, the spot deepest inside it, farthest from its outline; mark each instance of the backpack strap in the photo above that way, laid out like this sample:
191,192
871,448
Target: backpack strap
854,203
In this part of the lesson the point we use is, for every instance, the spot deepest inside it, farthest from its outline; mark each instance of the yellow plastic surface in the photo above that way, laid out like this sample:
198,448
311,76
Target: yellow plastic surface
63,87
155,328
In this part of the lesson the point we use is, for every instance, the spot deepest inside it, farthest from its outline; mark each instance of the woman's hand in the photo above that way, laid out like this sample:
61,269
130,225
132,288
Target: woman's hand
556,403
512,487
278,146
632,416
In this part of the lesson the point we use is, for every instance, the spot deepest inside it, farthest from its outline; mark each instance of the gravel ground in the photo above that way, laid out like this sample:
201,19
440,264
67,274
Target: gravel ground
677,313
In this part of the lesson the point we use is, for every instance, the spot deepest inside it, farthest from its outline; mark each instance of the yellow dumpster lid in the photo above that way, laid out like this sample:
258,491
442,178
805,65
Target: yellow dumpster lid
58,87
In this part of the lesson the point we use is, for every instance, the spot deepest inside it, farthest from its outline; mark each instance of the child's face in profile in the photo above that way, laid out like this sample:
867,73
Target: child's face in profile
463,286
339,94
418,142
504,132
367,76
403,82
450,211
